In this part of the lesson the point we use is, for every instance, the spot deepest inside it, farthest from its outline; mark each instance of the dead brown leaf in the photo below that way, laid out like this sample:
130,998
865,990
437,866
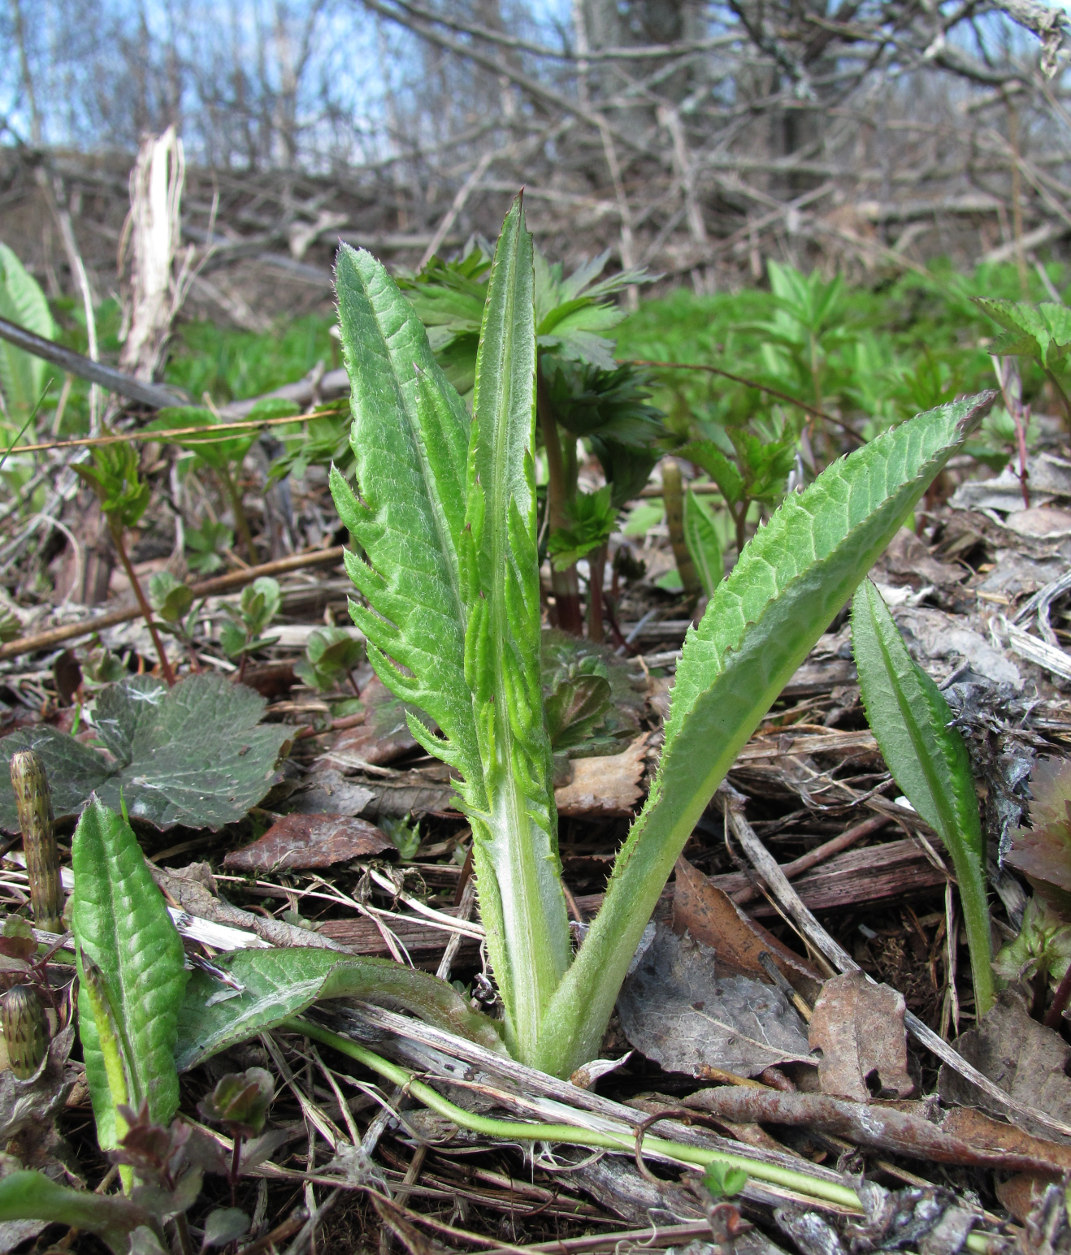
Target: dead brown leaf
383,736
310,841
712,917
1026,1059
611,785
859,1028
677,1009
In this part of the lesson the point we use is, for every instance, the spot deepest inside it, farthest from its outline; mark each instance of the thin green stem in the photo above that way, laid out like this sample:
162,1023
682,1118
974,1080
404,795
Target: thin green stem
515,1130
972,896
241,519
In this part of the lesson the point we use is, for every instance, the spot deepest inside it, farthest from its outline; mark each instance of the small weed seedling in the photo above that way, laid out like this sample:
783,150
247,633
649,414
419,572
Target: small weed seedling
1041,333
113,475
445,517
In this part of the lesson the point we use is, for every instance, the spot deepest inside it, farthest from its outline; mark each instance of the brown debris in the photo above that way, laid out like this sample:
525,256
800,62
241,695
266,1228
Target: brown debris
859,1028
310,841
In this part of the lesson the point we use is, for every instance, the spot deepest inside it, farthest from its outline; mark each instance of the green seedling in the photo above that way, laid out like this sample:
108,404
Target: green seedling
243,634
1038,332
804,335
222,448
331,653
912,724
405,834
445,517
722,1181
1041,851
113,474
205,546
754,473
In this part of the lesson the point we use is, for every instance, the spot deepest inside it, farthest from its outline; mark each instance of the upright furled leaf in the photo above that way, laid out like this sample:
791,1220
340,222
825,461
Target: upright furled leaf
515,843
136,975
791,579
912,723
409,438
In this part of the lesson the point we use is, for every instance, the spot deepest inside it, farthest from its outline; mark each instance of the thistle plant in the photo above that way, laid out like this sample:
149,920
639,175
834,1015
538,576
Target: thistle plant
444,514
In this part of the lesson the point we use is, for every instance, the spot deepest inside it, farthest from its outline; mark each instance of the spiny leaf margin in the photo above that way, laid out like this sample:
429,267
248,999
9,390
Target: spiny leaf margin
409,437
758,627
515,833
788,560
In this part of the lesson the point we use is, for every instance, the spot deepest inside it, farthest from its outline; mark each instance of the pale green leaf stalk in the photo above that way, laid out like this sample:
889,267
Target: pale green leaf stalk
29,1195
911,722
445,515
764,618
131,974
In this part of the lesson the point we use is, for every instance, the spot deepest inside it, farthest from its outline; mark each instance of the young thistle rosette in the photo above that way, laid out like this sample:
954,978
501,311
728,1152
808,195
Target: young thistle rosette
446,518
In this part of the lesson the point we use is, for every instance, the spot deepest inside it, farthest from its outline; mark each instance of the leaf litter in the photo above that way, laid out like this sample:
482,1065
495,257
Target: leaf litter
701,1001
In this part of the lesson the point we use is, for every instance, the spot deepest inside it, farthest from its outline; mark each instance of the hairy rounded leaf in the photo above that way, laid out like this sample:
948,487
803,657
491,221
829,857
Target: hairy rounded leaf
195,754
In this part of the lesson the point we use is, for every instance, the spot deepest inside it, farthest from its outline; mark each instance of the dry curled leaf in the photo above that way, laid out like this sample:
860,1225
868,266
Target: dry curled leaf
310,841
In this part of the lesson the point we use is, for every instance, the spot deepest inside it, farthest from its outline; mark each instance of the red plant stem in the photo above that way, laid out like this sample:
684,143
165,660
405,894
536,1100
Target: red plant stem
1055,1013
146,611
597,569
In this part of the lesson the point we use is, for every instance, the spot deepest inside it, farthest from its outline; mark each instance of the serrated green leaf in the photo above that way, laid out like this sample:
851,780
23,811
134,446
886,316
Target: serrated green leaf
195,754
701,537
791,579
708,457
409,439
515,848
270,986
22,376
911,722
121,925
1041,331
